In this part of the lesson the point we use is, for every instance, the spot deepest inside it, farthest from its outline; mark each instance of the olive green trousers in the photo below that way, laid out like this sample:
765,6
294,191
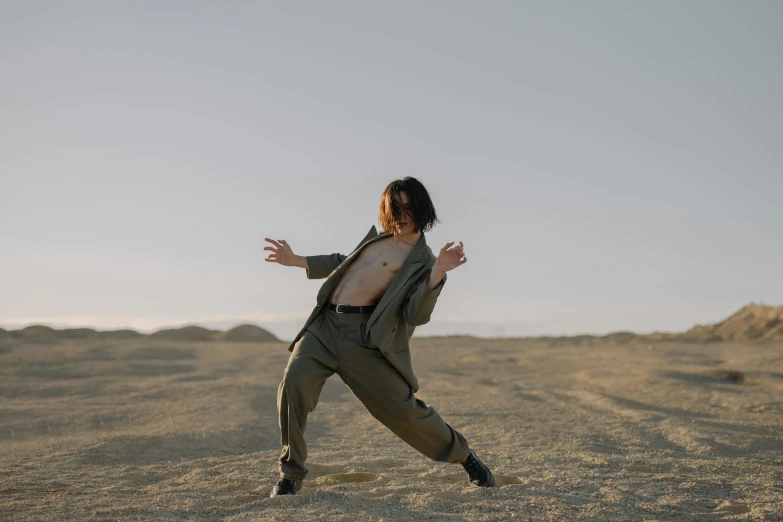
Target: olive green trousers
334,343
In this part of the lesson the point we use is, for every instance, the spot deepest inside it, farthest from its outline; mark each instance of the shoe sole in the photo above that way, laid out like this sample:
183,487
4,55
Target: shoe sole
489,484
273,494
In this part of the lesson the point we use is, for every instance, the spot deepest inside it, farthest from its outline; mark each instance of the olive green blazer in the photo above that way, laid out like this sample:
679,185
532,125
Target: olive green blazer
406,304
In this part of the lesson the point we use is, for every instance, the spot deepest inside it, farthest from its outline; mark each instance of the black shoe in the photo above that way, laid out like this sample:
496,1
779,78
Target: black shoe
478,473
286,486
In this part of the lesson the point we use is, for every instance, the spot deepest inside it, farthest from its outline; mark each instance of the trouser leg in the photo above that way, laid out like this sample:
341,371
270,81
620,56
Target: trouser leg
389,398
308,368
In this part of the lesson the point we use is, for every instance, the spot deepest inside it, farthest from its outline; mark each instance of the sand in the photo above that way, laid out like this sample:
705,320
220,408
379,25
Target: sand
148,429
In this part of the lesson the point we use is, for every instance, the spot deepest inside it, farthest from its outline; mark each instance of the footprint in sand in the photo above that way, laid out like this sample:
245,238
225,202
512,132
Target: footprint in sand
509,480
733,509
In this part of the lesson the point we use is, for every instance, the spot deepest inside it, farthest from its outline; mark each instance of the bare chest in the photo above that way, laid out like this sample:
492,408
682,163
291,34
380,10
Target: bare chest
366,279
382,257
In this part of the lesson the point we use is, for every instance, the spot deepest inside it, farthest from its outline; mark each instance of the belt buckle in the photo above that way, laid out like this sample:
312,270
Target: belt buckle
337,309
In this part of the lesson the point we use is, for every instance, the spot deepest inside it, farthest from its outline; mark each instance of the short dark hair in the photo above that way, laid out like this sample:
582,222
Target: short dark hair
422,210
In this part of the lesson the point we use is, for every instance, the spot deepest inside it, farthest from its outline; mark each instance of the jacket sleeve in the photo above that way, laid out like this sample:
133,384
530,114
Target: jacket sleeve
421,300
319,267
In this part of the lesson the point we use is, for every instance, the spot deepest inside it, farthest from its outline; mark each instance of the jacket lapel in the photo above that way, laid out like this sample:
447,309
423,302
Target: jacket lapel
413,262
331,281
370,235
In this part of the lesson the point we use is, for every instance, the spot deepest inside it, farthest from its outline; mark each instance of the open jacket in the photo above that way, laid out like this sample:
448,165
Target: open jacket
406,304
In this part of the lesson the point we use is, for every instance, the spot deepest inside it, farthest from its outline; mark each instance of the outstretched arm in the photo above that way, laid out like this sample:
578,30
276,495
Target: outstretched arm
317,267
424,293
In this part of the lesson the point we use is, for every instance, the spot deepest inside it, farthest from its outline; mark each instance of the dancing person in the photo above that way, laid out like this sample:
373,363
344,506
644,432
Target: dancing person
366,312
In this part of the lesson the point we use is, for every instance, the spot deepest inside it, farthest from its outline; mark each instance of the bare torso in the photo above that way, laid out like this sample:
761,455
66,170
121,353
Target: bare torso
368,276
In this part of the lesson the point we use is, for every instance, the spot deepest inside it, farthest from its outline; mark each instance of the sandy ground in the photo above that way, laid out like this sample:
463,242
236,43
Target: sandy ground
156,430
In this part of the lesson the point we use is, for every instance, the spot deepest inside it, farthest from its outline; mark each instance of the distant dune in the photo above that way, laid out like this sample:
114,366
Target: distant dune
44,334
751,323
246,333
186,333
36,334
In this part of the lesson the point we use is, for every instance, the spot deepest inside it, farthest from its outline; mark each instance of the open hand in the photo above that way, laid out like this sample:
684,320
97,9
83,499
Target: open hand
281,252
450,258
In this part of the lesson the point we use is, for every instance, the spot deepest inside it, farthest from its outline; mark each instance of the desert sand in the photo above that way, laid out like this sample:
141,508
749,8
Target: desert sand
139,427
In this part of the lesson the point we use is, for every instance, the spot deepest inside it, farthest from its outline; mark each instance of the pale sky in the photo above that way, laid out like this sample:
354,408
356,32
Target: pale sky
607,165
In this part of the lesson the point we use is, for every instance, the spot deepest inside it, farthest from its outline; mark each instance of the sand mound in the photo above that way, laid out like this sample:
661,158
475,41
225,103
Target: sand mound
77,333
120,334
247,333
186,333
45,334
750,323
36,334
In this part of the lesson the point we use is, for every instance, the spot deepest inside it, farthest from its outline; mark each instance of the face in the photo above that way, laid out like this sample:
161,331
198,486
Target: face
405,221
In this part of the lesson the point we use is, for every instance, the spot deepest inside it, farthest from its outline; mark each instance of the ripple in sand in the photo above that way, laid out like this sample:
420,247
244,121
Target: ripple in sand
161,353
647,468
733,509
500,480
348,477
319,470
460,476
384,464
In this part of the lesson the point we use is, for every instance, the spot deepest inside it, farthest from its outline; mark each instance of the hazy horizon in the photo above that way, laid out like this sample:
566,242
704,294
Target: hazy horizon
608,166
434,328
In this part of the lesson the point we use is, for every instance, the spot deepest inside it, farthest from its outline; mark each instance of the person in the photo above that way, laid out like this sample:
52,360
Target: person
366,312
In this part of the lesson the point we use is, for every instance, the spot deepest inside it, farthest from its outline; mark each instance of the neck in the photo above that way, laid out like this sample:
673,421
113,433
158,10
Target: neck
410,239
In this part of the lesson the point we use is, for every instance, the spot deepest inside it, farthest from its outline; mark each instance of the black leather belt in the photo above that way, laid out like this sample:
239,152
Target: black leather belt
350,309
